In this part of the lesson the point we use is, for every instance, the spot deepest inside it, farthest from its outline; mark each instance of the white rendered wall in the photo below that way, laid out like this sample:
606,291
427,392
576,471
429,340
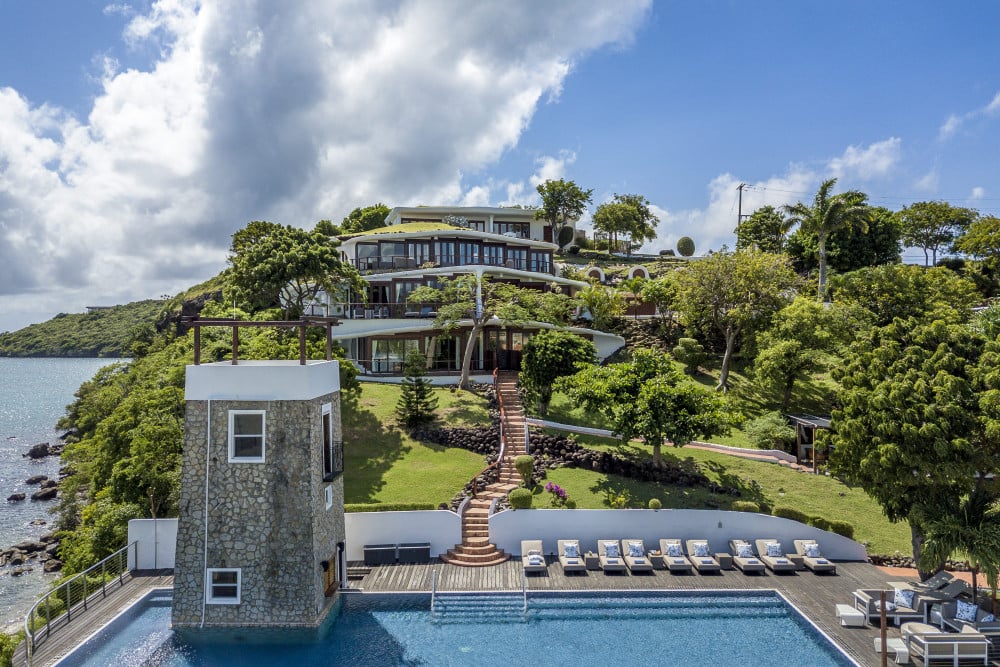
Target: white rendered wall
157,540
442,528
261,381
508,528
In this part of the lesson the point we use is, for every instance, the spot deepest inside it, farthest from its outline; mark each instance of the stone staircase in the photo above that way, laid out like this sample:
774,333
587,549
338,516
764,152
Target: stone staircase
476,550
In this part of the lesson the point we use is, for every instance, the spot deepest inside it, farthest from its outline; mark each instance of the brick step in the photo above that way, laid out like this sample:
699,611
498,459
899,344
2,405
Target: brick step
477,511
484,521
474,549
468,533
490,563
475,560
476,541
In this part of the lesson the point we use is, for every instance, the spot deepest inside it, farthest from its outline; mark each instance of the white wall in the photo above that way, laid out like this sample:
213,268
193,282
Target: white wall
443,529
157,540
261,380
508,528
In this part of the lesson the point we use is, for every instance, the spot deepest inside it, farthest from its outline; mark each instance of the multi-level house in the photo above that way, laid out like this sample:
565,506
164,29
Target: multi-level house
422,245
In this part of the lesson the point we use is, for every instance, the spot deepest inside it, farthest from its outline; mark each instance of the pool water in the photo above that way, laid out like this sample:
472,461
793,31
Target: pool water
488,629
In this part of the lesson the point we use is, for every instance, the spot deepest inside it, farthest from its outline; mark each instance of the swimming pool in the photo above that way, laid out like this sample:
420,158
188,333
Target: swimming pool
487,629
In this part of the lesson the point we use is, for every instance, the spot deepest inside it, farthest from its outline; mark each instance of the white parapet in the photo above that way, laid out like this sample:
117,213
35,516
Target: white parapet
261,381
442,528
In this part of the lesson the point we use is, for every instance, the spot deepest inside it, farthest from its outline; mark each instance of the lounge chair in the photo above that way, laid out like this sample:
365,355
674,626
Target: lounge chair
701,557
953,646
570,556
773,555
812,558
532,556
963,616
743,556
935,582
901,605
634,553
610,556
673,556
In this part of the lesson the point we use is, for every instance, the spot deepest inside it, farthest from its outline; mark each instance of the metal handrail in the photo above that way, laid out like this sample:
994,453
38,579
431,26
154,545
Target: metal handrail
74,594
503,440
434,578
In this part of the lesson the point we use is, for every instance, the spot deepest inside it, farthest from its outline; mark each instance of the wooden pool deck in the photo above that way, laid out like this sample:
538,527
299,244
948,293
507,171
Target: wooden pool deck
814,595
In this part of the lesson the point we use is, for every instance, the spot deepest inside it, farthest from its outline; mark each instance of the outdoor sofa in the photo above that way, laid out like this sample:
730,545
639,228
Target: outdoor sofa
963,616
570,556
770,551
901,605
673,556
701,556
954,646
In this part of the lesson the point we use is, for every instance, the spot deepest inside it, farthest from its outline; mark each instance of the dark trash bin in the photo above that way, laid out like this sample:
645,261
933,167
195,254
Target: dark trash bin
380,554
415,552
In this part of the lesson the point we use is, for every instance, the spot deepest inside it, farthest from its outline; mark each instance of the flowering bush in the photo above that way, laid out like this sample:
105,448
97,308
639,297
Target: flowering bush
558,498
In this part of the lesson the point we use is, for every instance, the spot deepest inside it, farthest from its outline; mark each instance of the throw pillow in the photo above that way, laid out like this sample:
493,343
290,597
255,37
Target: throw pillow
635,549
903,598
534,552
673,550
611,550
743,550
812,550
700,549
888,605
773,549
988,618
966,611
572,550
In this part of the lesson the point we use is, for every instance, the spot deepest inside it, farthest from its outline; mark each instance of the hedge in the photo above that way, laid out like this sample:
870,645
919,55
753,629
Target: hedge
842,528
745,506
786,512
388,507
520,499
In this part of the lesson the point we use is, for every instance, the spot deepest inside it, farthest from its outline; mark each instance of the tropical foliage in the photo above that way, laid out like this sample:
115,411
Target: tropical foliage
549,355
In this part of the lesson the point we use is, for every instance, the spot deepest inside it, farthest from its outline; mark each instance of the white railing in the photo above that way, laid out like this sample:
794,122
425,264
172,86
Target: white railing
62,604
434,581
524,591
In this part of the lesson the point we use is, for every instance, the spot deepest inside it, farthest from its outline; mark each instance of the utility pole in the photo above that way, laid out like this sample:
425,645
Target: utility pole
739,214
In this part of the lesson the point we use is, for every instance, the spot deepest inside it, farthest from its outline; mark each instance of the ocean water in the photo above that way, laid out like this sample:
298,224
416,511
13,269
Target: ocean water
34,394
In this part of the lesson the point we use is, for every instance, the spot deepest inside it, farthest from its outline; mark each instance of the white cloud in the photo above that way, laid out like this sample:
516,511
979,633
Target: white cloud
876,159
978,192
952,124
253,112
551,168
928,182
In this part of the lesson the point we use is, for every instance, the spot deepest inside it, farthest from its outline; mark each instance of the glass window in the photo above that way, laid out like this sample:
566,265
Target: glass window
478,225
444,252
246,436
333,450
493,255
223,586
388,354
468,253
517,258
521,230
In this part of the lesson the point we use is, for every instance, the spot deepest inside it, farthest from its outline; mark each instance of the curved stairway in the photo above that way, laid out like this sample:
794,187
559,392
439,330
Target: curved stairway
476,550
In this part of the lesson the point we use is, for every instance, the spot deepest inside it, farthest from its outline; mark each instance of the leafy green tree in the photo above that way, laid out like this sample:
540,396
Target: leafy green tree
604,305
627,215
969,525
691,353
982,240
987,322
909,429
849,248
472,300
907,291
271,264
685,246
327,228
764,230
417,401
549,355
734,294
932,225
662,293
563,202
770,431
827,214
647,397
806,338
363,219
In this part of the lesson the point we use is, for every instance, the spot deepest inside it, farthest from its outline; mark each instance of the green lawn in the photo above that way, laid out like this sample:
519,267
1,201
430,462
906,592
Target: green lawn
772,484
385,465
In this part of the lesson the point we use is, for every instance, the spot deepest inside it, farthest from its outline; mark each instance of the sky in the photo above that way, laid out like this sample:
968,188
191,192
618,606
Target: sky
136,137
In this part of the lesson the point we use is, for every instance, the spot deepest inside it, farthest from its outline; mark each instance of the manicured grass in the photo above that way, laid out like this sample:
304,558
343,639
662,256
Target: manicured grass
383,464
772,484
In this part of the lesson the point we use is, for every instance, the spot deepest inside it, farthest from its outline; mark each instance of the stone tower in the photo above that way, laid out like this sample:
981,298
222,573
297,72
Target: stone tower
261,528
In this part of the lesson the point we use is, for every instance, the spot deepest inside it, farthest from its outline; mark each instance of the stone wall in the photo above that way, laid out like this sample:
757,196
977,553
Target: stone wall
268,519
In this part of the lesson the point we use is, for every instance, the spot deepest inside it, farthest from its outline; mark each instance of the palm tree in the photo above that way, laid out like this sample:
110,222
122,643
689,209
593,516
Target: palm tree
828,214
971,525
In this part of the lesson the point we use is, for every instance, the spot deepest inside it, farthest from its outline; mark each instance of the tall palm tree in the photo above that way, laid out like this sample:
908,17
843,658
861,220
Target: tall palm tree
827,214
971,525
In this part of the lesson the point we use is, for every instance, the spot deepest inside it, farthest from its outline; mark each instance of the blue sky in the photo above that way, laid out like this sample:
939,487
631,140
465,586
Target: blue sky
135,138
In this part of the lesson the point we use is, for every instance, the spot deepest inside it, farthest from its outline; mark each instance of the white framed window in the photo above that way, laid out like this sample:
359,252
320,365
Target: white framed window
223,585
333,451
246,436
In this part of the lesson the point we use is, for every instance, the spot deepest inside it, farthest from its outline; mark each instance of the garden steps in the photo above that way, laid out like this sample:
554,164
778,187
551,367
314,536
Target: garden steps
476,550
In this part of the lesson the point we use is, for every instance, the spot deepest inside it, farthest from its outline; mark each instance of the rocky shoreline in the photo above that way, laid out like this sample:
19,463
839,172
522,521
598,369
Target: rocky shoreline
24,556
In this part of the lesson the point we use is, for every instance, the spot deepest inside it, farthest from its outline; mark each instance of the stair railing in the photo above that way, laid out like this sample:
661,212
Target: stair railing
503,440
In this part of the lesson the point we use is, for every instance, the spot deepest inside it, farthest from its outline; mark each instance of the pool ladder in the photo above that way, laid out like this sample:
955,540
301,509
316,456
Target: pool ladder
434,578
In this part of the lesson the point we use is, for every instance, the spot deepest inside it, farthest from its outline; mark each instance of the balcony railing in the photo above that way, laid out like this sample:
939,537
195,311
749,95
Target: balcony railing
384,311
368,265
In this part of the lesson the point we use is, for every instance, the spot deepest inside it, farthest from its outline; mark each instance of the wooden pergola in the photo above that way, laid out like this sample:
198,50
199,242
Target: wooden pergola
805,437
327,323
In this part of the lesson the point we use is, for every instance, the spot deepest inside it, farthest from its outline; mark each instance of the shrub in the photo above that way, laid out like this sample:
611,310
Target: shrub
388,507
558,497
525,465
819,522
770,431
7,645
745,506
685,246
617,500
790,513
570,504
655,504
566,236
520,499
842,528
573,249
691,353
